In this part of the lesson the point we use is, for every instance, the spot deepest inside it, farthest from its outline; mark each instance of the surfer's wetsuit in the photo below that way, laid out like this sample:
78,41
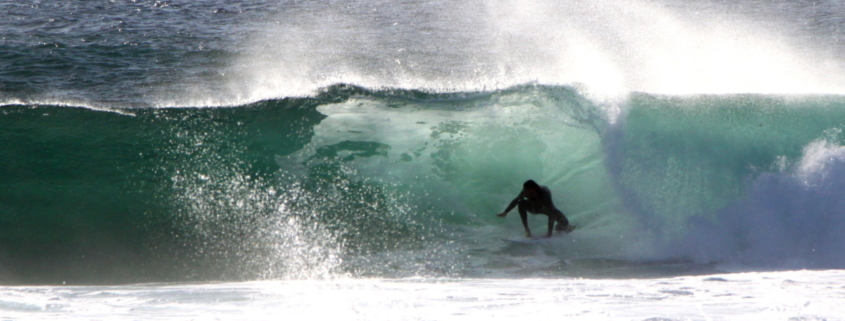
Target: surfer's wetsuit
536,199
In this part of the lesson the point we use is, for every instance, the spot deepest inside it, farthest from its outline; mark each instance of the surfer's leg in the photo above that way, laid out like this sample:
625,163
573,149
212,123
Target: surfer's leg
551,225
562,221
523,214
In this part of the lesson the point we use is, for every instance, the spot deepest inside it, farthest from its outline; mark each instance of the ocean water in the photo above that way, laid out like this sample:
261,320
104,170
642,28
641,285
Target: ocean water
231,160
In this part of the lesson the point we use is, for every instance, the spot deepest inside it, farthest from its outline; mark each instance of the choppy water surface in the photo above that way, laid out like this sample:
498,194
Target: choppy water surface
360,150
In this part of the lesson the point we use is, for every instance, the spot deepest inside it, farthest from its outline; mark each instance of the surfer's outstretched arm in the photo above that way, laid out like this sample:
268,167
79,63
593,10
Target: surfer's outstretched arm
511,205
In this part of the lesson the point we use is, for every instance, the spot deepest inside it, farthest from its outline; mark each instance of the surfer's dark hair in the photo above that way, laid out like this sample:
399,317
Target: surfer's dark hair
530,184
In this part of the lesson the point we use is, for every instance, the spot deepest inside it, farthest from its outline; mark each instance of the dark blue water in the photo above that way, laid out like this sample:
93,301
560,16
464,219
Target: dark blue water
369,138
117,53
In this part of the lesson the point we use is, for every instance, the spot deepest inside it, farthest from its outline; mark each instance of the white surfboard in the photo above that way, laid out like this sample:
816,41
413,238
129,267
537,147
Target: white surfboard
537,239
528,240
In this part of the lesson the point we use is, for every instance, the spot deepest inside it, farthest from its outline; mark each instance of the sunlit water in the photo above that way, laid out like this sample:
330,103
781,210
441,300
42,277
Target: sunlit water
798,295
345,159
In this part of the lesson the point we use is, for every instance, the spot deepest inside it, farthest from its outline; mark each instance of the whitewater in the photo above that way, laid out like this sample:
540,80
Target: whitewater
214,160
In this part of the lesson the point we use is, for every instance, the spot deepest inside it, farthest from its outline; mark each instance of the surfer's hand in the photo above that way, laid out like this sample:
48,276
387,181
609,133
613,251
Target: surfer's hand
527,234
502,214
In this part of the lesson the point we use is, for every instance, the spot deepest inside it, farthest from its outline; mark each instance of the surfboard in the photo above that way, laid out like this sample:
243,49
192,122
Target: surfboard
537,239
528,240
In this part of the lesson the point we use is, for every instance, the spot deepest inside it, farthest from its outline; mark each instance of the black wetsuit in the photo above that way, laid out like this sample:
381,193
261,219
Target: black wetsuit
541,204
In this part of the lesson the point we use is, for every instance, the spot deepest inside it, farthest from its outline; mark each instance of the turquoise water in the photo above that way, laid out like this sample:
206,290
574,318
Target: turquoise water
166,141
372,183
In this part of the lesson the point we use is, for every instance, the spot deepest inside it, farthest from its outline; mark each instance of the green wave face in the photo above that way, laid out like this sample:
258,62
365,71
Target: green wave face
742,178
399,183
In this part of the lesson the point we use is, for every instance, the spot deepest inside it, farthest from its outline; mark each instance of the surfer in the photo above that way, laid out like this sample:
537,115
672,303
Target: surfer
536,199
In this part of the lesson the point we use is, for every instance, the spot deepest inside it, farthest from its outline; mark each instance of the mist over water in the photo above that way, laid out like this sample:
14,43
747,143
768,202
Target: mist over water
609,48
213,53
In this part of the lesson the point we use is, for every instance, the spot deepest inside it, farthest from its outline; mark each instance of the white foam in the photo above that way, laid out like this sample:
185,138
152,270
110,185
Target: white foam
792,295
815,165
